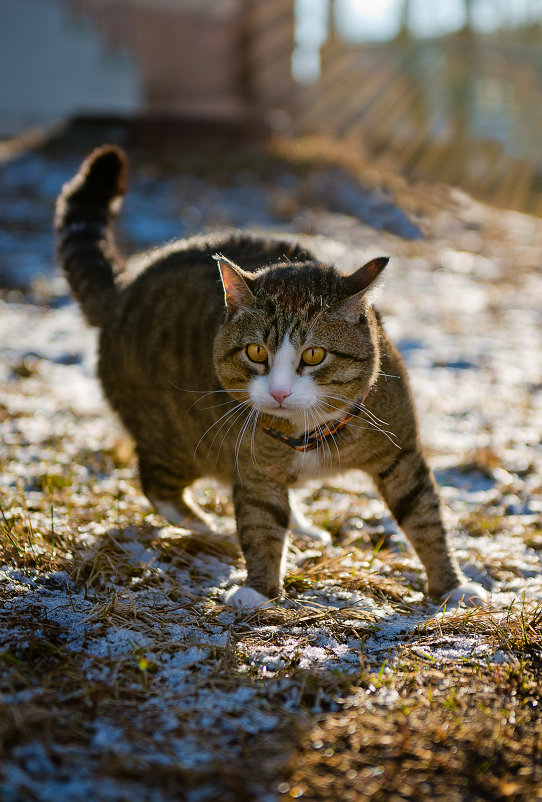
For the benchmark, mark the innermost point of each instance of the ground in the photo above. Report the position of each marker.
(124, 676)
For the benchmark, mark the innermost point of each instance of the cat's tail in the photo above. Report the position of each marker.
(85, 211)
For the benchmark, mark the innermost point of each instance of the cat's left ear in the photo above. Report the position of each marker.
(237, 293)
(357, 285)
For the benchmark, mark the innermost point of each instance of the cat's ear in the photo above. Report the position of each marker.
(357, 285)
(237, 293)
(361, 280)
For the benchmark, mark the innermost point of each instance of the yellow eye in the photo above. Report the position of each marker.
(256, 353)
(313, 356)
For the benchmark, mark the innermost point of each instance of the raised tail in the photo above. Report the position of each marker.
(85, 211)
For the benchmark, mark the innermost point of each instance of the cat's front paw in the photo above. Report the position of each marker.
(245, 598)
(469, 594)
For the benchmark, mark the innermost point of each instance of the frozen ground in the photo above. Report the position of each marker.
(134, 606)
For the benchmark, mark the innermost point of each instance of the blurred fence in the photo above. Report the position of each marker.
(466, 110)
(463, 109)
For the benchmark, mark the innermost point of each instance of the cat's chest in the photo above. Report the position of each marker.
(288, 465)
(316, 464)
(292, 467)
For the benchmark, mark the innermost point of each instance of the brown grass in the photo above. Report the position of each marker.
(412, 727)
(401, 721)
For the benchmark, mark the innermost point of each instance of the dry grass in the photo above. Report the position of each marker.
(415, 726)
(463, 733)
(122, 671)
(415, 721)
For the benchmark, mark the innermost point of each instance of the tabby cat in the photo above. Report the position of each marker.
(244, 358)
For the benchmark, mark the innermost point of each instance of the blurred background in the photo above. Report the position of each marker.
(448, 92)
(451, 89)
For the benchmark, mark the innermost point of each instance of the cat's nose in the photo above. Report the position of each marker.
(280, 394)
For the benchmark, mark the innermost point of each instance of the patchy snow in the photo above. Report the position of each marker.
(155, 211)
(469, 327)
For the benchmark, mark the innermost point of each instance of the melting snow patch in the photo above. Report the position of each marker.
(118, 641)
(220, 678)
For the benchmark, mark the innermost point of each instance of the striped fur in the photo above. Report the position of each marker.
(173, 363)
(84, 213)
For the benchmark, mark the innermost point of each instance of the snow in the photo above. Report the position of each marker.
(470, 331)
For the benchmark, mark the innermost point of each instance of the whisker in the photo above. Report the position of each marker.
(207, 392)
(317, 449)
(387, 375)
(242, 434)
(250, 427)
(371, 419)
(357, 405)
(318, 408)
(225, 415)
(252, 444)
(305, 429)
(235, 414)
(212, 406)
(361, 406)
(234, 421)
(320, 440)
(372, 425)
(313, 322)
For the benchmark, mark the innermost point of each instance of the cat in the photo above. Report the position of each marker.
(242, 357)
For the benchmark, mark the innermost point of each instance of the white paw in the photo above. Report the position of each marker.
(470, 594)
(245, 598)
(302, 526)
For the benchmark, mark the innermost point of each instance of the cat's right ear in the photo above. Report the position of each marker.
(237, 293)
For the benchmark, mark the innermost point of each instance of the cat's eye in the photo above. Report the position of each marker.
(256, 353)
(313, 356)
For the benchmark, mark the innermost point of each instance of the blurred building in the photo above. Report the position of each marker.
(216, 58)
(454, 94)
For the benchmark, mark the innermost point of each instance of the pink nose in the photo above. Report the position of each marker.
(279, 395)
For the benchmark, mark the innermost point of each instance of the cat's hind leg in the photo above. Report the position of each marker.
(301, 526)
(180, 513)
(169, 494)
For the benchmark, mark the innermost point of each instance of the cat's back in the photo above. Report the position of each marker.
(185, 272)
(171, 307)
(168, 314)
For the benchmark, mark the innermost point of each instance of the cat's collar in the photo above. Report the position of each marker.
(309, 441)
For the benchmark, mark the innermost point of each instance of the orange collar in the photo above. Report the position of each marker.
(309, 441)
